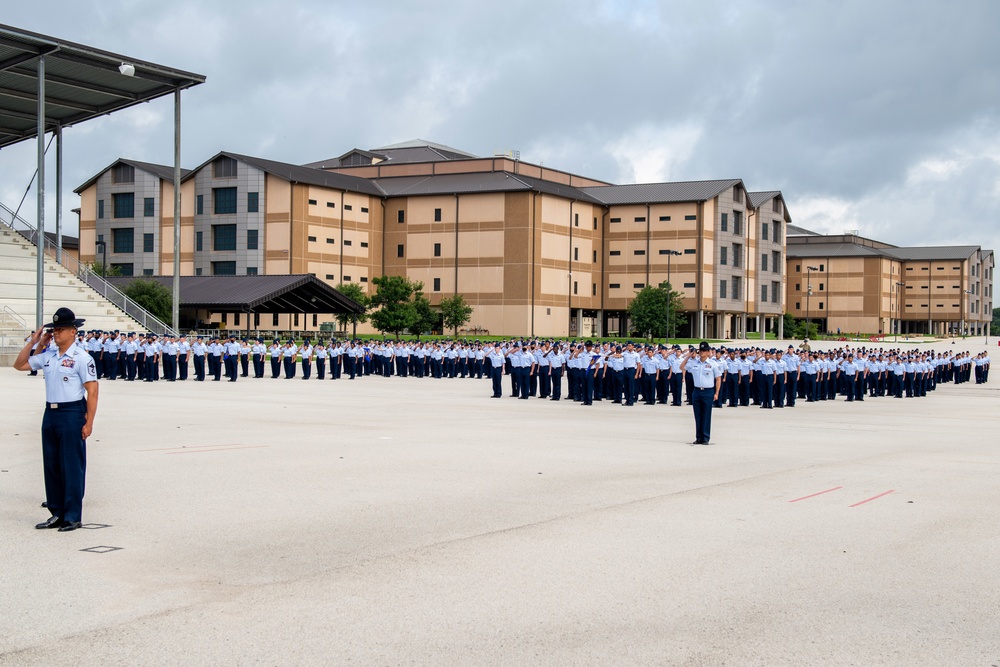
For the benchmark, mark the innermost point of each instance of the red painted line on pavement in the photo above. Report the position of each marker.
(221, 449)
(815, 494)
(872, 498)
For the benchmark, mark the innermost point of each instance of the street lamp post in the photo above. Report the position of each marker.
(809, 291)
(899, 305)
(961, 330)
(104, 257)
(666, 335)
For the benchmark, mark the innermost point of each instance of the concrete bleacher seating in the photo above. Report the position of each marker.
(17, 291)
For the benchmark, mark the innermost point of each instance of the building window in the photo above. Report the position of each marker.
(664, 218)
(724, 225)
(638, 285)
(348, 242)
(689, 251)
(737, 257)
(615, 253)
(364, 279)
(593, 289)
(253, 202)
(225, 200)
(224, 167)
(251, 270)
(763, 262)
(798, 287)
(776, 262)
(147, 243)
(223, 268)
(638, 252)
(200, 206)
(723, 255)
(798, 268)
(100, 209)
(312, 239)
(614, 286)
(821, 305)
(737, 194)
(765, 232)
(348, 207)
(330, 276)
(400, 216)
(798, 305)
(821, 268)
(148, 207)
(315, 318)
(688, 285)
(295, 320)
(595, 257)
(437, 284)
(437, 249)
(124, 204)
(763, 293)
(197, 271)
(722, 289)
(576, 254)
(251, 239)
(640, 218)
(737, 287)
(122, 240)
(274, 319)
(364, 209)
(775, 288)
(616, 219)
(124, 269)
(313, 202)
(330, 241)
(576, 219)
(777, 231)
(100, 239)
(364, 244)
(399, 250)
(690, 217)
(256, 320)
(574, 287)
(738, 223)
(224, 238)
(330, 204)
(198, 241)
(147, 272)
(437, 215)
(595, 222)
(821, 287)
(123, 173)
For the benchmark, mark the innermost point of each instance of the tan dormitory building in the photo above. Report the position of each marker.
(535, 250)
(860, 285)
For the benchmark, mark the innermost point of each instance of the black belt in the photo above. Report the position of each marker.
(62, 406)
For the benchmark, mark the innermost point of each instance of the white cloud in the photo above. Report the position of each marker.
(651, 153)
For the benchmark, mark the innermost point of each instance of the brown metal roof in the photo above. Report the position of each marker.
(256, 294)
(159, 170)
(81, 83)
(661, 193)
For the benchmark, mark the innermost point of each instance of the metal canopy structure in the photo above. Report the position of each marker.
(81, 83)
(47, 83)
(256, 294)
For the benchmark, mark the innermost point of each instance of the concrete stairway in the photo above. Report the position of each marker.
(17, 292)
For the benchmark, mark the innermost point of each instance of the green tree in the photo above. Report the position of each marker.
(427, 318)
(392, 307)
(151, 295)
(353, 292)
(995, 324)
(648, 311)
(99, 269)
(796, 328)
(455, 312)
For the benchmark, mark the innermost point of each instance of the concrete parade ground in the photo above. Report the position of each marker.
(403, 521)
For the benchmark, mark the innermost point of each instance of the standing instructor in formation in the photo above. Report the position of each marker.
(70, 408)
(707, 376)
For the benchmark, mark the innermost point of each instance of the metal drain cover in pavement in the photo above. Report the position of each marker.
(101, 550)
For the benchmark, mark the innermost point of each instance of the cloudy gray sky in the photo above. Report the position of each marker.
(877, 115)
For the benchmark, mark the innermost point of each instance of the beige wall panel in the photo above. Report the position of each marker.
(483, 245)
(421, 246)
(554, 281)
(516, 320)
(278, 196)
(555, 246)
(427, 276)
(421, 209)
(555, 210)
(481, 208)
(277, 235)
(88, 203)
(479, 279)
(551, 321)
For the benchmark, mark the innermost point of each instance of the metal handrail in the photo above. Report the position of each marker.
(9, 312)
(84, 273)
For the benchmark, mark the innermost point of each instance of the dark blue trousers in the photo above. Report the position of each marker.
(64, 459)
(701, 402)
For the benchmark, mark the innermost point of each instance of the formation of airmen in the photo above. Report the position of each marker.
(622, 373)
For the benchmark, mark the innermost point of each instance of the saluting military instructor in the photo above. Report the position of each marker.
(707, 376)
(70, 407)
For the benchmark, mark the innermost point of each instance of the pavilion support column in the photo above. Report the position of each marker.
(176, 300)
(59, 208)
(40, 231)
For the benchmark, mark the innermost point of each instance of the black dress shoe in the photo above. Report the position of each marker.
(73, 525)
(705, 442)
(52, 522)
(697, 442)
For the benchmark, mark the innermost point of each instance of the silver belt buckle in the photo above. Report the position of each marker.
(54, 406)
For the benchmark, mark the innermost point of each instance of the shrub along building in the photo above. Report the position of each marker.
(862, 285)
(534, 250)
